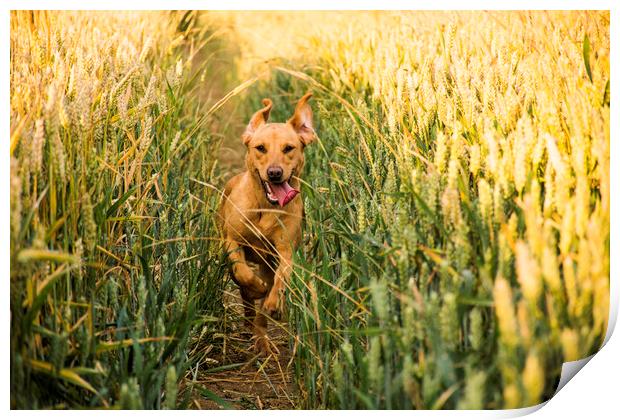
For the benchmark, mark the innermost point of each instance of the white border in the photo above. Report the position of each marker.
(593, 394)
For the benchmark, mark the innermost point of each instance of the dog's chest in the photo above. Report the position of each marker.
(268, 223)
(258, 227)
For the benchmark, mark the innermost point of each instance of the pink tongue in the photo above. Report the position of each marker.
(283, 192)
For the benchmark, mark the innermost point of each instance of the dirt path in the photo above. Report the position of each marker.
(248, 381)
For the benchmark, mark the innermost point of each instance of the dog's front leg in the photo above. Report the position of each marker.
(274, 302)
(242, 273)
(262, 342)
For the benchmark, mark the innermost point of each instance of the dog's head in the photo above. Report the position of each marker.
(276, 150)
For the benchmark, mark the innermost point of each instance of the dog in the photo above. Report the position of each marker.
(261, 214)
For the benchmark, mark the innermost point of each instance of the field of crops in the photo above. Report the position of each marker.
(456, 240)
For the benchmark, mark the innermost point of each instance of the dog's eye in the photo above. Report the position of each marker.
(288, 148)
(261, 148)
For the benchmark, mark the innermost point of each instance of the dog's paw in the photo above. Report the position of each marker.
(257, 289)
(247, 279)
(264, 346)
(243, 274)
(260, 286)
(273, 305)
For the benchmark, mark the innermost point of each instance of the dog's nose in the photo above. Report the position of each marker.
(274, 173)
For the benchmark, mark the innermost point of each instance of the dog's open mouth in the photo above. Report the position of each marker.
(281, 193)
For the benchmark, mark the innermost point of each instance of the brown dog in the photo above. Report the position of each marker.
(261, 212)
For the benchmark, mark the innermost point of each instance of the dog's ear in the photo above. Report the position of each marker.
(302, 120)
(259, 118)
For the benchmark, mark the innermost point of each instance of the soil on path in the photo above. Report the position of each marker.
(240, 379)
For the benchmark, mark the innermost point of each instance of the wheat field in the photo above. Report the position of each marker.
(456, 237)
